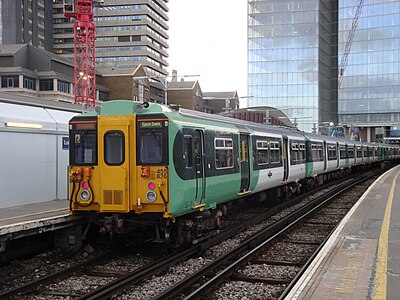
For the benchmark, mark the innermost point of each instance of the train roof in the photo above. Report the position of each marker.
(125, 107)
(121, 107)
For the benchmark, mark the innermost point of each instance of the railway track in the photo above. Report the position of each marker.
(270, 267)
(178, 273)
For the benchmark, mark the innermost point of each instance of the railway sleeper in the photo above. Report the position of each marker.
(267, 280)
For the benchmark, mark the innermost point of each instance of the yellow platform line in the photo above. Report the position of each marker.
(34, 214)
(383, 247)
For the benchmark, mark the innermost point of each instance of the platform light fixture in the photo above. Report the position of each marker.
(24, 125)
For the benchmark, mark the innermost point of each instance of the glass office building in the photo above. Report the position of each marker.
(291, 59)
(328, 61)
(369, 95)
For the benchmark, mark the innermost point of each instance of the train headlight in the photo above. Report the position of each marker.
(151, 196)
(85, 195)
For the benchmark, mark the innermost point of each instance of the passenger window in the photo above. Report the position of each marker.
(275, 153)
(262, 152)
(295, 152)
(223, 153)
(188, 151)
(332, 152)
(359, 151)
(342, 151)
(314, 152)
(320, 152)
(302, 152)
(114, 148)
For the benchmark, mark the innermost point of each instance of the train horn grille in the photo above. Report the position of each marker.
(112, 197)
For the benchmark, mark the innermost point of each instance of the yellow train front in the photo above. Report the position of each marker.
(119, 166)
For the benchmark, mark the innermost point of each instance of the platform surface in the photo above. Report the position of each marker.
(362, 258)
(32, 212)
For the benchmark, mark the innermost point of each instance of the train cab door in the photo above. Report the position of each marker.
(244, 163)
(199, 155)
(114, 160)
(285, 153)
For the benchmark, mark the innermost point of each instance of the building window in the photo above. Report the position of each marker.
(46, 85)
(10, 81)
(29, 83)
(63, 86)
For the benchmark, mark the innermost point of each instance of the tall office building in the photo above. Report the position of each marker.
(128, 33)
(297, 48)
(291, 58)
(26, 22)
(369, 95)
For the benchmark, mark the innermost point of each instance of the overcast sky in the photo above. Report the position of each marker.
(209, 38)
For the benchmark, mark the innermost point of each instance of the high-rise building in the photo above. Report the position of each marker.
(369, 94)
(128, 33)
(298, 51)
(291, 58)
(26, 22)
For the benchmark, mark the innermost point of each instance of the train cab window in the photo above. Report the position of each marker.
(223, 153)
(275, 153)
(188, 151)
(332, 153)
(262, 153)
(152, 142)
(83, 143)
(114, 149)
(150, 145)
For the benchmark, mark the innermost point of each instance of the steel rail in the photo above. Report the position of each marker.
(255, 243)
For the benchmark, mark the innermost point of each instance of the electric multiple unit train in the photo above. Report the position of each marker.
(136, 164)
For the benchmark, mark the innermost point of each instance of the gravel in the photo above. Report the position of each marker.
(155, 285)
(269, 271)
(241, 290)
(292, 252)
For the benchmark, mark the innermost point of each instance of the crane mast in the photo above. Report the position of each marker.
(84, 50)
(349, 41)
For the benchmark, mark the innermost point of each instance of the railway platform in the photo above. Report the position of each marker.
(361, 260)
(25, 220)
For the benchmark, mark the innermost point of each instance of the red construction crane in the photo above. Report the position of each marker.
(84, 50)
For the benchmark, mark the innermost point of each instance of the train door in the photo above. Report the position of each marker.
(324, 155)
(338, 155)
(285, 155)
(114, 163)
(199, 155)
(244, 163)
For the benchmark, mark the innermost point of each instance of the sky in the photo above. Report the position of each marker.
(209, 38)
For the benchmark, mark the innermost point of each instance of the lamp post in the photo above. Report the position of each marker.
(164, 81)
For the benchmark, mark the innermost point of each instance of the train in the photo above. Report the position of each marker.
(135, 165)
